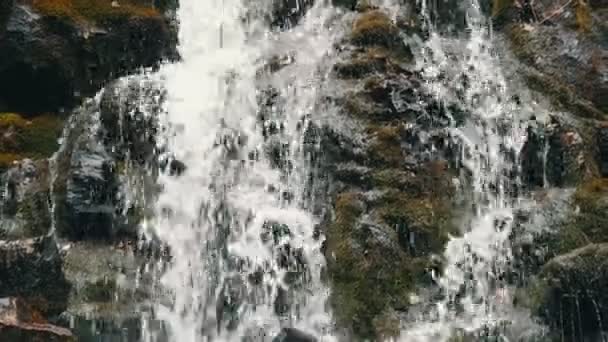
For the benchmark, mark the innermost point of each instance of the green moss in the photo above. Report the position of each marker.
(386, 147)
(361, 271)
(94, 10)
(28, 138)
(589, 221)
(375, 28)
(591, 198)
(559, 93)
(372, 60)
(433, 179)
(426, 220)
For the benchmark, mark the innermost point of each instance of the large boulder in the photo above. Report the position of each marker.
(32, 269)
(102, 182)
(571, 293)
(57, 53)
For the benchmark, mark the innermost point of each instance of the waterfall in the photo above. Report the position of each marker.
(465, 69)
(237, 222)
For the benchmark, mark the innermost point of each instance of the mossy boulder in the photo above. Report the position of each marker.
(375, 28)
(33, 269)
(572, 78)
(591, 210)
(571, 293)
(58, 52)
(373, 60)
(365, 260)
(25, 203)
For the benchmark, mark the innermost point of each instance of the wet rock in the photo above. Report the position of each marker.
(603, 149)
(25, 201)
(91, 190)
(274, 231)
(293, 335)
(32, 269)
(566, 161)
(573, 285)
(27, 137)
(57, 54)
(107, 280)
(533, 155)
(229, 302)
(365, 63)
(572, 78)
(364, 258)
(129, 112)
(21, 323)
(287, 13)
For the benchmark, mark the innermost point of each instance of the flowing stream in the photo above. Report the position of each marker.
(238, 221)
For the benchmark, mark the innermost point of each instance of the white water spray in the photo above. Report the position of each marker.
(478, 299)
(213, 215)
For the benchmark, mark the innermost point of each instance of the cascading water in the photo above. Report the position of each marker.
(477, 294)
(235, 221)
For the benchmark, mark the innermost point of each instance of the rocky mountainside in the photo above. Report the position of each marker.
(80, 158)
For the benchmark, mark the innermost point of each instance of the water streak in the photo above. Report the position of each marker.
(224, 278)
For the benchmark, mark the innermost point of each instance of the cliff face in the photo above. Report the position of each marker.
(390, 189)
(58, 52)
(54, 55)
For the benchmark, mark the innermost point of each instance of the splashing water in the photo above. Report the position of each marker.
(227, 279)
(477, 295)
(238, 219)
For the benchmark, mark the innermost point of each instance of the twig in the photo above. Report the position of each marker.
(556, 12)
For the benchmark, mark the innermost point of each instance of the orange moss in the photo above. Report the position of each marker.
(583, 15)
(94, 10)
(7, 159)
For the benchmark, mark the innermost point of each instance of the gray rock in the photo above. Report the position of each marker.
(572, 296)
(566, 162)
(57, 61)
(91, 191)
(32, 269)
(533, 155)
(603, 149)
(294, 335)
(129, 111)
(287, 13)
